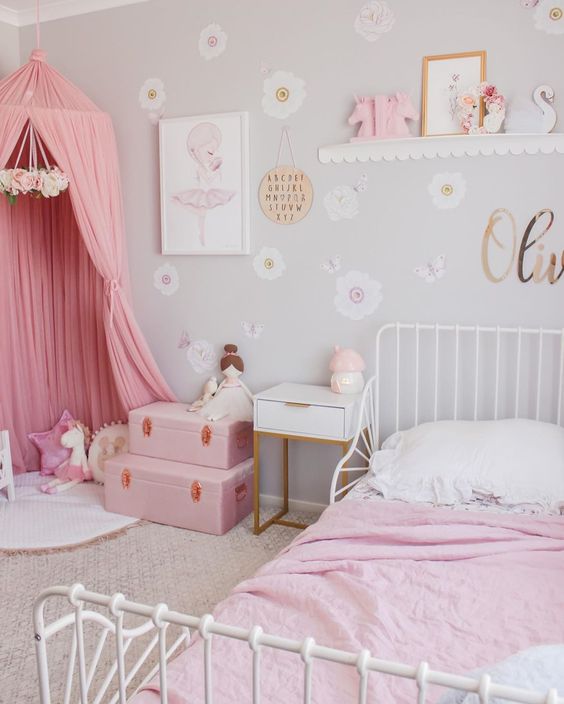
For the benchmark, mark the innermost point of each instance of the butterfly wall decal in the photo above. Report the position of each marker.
(252, 330)
(332, 265)
(361, 184)
(432, 271)
(184, 341)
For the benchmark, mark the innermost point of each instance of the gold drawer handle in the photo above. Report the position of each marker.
(298, 405)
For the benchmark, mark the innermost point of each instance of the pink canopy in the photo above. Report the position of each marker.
(68, 335)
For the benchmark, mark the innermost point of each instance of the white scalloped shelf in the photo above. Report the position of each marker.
(432, 147)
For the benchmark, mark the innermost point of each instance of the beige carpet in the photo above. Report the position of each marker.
(189, 571)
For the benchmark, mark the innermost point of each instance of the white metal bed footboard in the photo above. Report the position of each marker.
(111, 618)
(426, 372)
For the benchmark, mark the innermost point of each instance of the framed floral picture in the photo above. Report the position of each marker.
(444, 78)
(205, 184)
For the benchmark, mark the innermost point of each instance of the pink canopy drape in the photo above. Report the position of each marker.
(68, 335)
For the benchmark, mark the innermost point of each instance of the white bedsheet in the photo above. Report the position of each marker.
(365, 491)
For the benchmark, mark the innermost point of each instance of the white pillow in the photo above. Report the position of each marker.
(537, 669)
(448, 462)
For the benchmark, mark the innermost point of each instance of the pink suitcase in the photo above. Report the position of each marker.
(178, 494)
(167, 430)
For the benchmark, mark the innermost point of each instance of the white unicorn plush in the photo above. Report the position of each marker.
(75, 469)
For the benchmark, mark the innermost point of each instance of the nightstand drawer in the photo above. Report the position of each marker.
(300, 419)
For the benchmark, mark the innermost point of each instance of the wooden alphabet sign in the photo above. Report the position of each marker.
(530, 260)
(285, 192)
(285, 195)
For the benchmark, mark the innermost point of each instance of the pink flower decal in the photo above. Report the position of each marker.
(166, 279)
(357, 295)
(213, 42)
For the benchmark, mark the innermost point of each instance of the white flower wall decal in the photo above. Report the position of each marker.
(549, 16)
(357, 295)
(284, 94)
(201, 353)
(269, 263)
(447, 190)
(213, 42)
(342, 203)
(152, 98)
(374, 19)
(201, 356)
(166, 279)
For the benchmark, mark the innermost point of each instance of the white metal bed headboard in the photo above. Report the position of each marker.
(428, 372)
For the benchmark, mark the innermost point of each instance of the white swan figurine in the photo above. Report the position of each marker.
(533, 118)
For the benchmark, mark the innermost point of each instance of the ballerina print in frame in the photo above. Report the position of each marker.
(205, 184)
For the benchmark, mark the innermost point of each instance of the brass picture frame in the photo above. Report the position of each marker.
(444, 75)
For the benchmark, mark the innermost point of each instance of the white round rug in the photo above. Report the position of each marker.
(36, 521)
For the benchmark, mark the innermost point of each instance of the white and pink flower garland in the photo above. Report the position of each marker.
(468, 104)
(43, 182)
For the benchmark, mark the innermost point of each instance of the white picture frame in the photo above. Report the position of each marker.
(204, 184)
(444, 76)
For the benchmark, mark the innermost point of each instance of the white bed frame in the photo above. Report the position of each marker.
(439, 386)
(429, 372)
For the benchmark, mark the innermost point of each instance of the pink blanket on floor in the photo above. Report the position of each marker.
(459, 589)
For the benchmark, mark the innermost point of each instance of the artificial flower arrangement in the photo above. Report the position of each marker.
(468, 102)
(38, 182)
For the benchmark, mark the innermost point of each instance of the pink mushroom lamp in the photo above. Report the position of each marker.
(347, 367)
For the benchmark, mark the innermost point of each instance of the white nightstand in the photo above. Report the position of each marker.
(300, 412)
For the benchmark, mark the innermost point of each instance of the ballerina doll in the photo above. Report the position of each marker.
(202, 143)
(75, 469)
(232, 398)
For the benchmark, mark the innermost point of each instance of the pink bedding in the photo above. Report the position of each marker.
(459, 589)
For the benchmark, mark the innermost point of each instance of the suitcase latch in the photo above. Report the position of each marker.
(196, 492)
(147, 427)
(125, 479)
(206, 436)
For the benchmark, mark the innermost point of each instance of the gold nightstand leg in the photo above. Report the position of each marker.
(345, 479)
(256, 499)
(285, 474)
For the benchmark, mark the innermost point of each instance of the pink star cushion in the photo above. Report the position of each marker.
(49, 445)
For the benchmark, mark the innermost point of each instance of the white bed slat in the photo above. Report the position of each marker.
(539, 374)
(560, 380)
(398, 367)
(497, 358)
(417, 327)
(477, 373)
(81, 655)
(436, 398)
(456, 367)
(518, 376)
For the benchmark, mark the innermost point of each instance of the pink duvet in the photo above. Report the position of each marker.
(459, 589)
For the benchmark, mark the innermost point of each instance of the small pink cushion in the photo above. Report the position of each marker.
(49, 445)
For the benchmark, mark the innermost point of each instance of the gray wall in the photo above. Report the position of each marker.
(109, 54)
(9, 48)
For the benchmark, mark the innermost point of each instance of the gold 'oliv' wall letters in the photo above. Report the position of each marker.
(538, 269)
